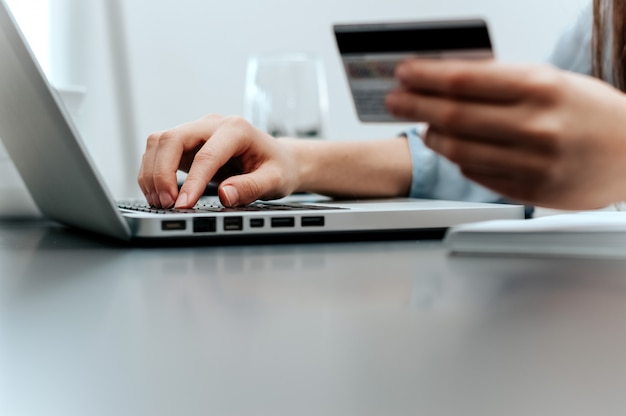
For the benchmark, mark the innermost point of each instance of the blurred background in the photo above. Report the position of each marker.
(146, 65)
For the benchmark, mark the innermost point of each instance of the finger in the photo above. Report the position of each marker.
(263, 183)
(228, 141)
(483, 121)
(522, 190)
(480, 79)
(169, 153)
(144, 178)
(488, 159)
(512, 184)
(504, 185)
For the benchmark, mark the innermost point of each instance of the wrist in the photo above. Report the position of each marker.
(305, 156)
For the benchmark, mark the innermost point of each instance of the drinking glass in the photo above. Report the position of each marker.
(285, 94)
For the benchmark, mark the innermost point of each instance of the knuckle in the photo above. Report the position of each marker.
(167, 136)
(237, 123)
(161, 178)
(213, 116)
(141, 177)
(451, 114)
(457, 81)
(158, 175)
(545, 83)
(141, 181)
(548, 130)
(153, 139)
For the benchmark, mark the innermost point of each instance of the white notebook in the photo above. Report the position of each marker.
(583, 234)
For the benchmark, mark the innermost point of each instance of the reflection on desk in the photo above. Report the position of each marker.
(391, 328)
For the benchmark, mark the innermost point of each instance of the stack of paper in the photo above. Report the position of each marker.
(588, 234)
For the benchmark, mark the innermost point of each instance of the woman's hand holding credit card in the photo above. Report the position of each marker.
(370, 53)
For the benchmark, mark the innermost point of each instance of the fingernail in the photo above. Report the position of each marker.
(154, 199)
(230, 195)
(182, 200)
(166, 199)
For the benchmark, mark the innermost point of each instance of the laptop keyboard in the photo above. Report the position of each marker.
(205, 206)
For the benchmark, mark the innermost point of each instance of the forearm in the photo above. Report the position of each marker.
(380, 168)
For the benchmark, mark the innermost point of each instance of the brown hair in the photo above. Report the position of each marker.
(602, 11)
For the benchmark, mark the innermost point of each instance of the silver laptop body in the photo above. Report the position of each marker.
(47, 151)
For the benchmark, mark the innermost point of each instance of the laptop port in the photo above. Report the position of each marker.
(281, 222)
(312, 221)
(233, 223)
(173, 225)
(257, 222)
(204, 225)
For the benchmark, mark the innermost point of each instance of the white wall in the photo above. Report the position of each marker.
(83, 54)
(187, 57)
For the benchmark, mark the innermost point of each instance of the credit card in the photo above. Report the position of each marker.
(371, 51)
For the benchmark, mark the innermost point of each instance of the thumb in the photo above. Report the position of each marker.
(244, 189)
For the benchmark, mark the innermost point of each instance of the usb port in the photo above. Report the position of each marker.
(173, 225)
(257, 222)
(233, 223)
(204, 225)
(312, 221)
(280, 222)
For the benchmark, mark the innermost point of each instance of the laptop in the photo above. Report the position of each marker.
(47, 151)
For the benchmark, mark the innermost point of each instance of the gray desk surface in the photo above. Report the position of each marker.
(376, 328)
